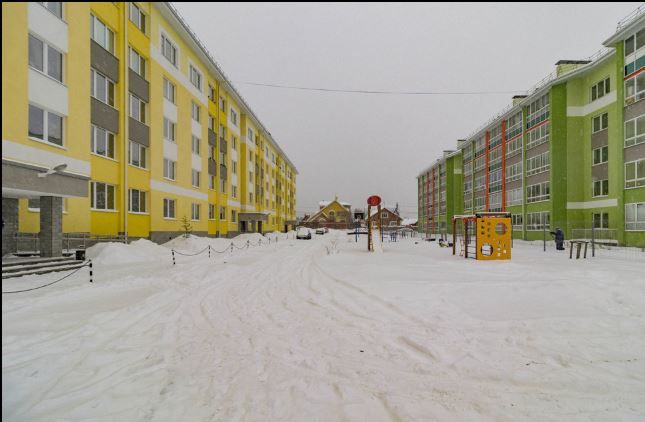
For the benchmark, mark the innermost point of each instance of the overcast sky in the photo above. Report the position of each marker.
(354, 145)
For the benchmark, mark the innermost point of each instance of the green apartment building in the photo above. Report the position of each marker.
(570, 153)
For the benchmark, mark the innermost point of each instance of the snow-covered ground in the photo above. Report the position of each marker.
(322, 330)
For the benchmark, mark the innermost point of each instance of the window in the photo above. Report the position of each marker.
(168, 90)
(538, 221)
(195, 111)
(249, 135)
(599, 123)
(222, 104)
(211, 123)
(635, 131)
(537, 136)
(194, 212)
(168, 208)
(56, 7)
(211, 211)
(600, 220)
(45, 58)
(196, 175)
(169, 50)
(102, 196)
(211, 152)
(600, 187)
(537, 192)
(195, 77)
(137, 155)
(45, 125)
(635, 216)
(635, 174)
(169, 169)
(211, 93)
(234, 167)
(234, 142)
(514, 172)
(600, 89)
(514, 147)
(169, 130)
(600, 155)
(137, 63)
(233, 117)
(137, 17)
(137, 201)
(233, 216)
(635, 88)
(222, 213)
(195, 145)
(101, 88)
(514, 197)
(102, 142)
(516, 221)
(234, 191)
(211, 181)
(251, 197)
(222, 185)
(538, 111)
(101, 34)
(137, 108)
(537, 164)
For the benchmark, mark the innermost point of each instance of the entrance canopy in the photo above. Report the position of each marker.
(253, 216)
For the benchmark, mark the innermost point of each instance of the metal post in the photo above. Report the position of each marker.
(231, 248)
(91, 272)
(173, 256)
(544, 235)
(593, 240)
(209, 251)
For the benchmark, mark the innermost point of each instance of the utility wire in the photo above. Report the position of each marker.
(365, 91)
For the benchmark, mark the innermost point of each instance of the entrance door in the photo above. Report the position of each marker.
(259, 227)
(243, 226)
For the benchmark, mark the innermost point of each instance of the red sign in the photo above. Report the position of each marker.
(374, 200)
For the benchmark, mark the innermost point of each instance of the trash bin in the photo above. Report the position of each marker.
(80, 254)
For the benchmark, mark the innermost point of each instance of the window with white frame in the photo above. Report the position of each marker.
(233, 117)
(195, 178)
(600, 155)
(222, 213)
(211, 92)
(55, 7)
(222, 103)
(137, 63)
(211, 211)
(249, 134)
(635, 216)
(600, 220)
(480, 162)
(211, 182)
(600, 89)
(538, 221)
(137, 17)
(633, 52)
(169, 130)
(516, 221)
(222, 185)
(195, 77)
(480, 183)
(45, 58)
(635, 174)
(234, 167)
(514, 172)
(234, 191)
(138, 108)
(538, 136)
(169, 50)
(600, 188)
(138, 201)
(599, 123)
(211, 123)
(537, 164)
(102, 196)
(137, 155)
(635, 88)
(169, 90)
(468, 203)
(538, 111)
(169, 208)
(233, 216)
(195, 145)
(102, 142)
(169, 169)
(234, 143)
(195, 111)
(635, 131)
(514, 197)
(194, 211)
(514, 147)
(101, 88)
(251, 197)
(45, 125)
(538, 192)
(101, 34)
(480, 203)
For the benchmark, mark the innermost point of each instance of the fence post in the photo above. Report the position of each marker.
(593, 240)
(209, 251)
(91, 272)
(231, 247)
(173, 256)
(544, 236)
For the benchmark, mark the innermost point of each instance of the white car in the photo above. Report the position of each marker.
(303, 233)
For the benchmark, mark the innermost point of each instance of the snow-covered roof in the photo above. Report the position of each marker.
(409, 221)
(325, 203)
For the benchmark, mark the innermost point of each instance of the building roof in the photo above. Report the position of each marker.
(325, 203)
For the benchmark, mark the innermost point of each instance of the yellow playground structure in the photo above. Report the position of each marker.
(485, 236)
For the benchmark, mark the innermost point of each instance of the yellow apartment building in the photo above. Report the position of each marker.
(117, 121)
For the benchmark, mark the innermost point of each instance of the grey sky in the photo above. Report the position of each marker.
(355, 145)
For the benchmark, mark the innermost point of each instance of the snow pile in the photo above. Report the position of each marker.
(112, 253)
(254, 238)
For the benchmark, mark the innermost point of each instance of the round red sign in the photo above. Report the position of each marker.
(374, 200)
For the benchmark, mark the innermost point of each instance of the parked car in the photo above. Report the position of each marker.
(303, 233)
(326, 229)
(320, 231)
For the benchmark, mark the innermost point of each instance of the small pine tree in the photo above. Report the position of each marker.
(186, 226)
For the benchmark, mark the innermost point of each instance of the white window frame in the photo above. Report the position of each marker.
(538, 164)
(635, 224)
(538, 192)
(195, 145)
(138, 63)
(603, 188)
(47, 49)
(142, 151)
(169, 130)
(639, 180)
(106, 188)
(196, 178)
(96, 27)
(233, 116)
(108, 139)
(222, 213)
(195, 211)
(602, 120)
(169, 169)
(637, 138)
(195, 76)
(110, 88)
(169, 50)
(638, 82)
(195, 111)
(141, 199)
(46, 4)
(141, 108)
(169, 90)
(602, 218)
(600, 89)
(45, 114)
(138, 17)
(168, 206)
(543, 221)
(599, 151)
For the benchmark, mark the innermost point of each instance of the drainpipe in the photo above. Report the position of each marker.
(126, 114)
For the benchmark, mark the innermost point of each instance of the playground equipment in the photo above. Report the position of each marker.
(484, 236)
(578, 244)
(373, 201)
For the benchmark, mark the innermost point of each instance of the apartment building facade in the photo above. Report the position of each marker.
(118, 121)
(569, 154)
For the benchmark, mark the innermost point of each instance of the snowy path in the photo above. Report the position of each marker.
(287, 332)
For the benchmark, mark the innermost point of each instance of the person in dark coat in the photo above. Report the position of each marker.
(559, 238)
